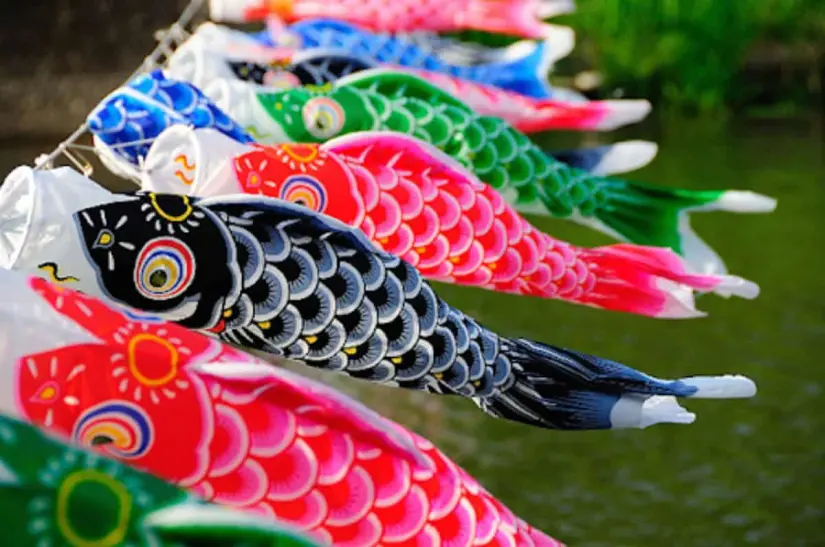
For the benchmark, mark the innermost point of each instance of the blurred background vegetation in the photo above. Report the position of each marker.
(701, 56)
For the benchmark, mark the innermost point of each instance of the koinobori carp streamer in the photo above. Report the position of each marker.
(231, 429)
(521, 68)
(54, 493)
(499, 155)
(277, 277)
(415, 202)
(217, 52)
(514, 17)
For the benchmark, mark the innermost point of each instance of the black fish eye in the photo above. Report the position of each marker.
(158, 278)
(100, 440)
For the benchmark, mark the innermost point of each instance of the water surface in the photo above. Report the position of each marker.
(747, 472)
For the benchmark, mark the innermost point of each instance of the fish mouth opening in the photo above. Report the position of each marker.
(17, 202)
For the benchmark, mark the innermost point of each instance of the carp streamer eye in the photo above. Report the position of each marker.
(304, 190)
(123, 428)
(323, 117)
(165, 268)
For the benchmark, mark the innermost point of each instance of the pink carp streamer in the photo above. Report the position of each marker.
(236, 430)
(512, 17)
(417, 203)
(531, 115)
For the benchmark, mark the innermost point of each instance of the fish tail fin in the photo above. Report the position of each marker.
(561, 114)
(610, 159)
(618, 113)
(553, 8)
(652, 281)
(238, 11)
(526, 64)
(515, 17)
(558, 388)
(659, 216)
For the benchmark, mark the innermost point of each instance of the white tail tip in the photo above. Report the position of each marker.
(721, 387)
(554, 8)
(680, 303)
(623, 112)
(639, 411)
(744, 201)
(560, 42)
(626, 156)
(733, 285)
(231, 11)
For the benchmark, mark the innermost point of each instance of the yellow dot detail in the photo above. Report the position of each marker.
(118, 534)
(350, 351)
(396, 360)
(47, 394)
(438, 376)
(265, 324)
(227, 314)
(311, 339)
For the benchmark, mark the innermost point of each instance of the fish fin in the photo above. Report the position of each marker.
(559, 114)
(394, 83)
(554, 8)
(659, 216)
(528, 63)
(514, 17)
(654, 282)
(610, 159)
(563, 389)
(238, 11)
(618, 113)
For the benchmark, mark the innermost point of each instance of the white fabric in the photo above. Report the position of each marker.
(231, 11)
(37, 223)
(238, 99)
(184, 160)
(28, 325)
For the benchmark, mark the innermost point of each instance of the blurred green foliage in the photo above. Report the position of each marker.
(693, 54)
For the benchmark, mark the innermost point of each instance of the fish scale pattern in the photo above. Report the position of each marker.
(400, 50)
(518, 17)
(270, 443)
(497, 154)
(370, 315)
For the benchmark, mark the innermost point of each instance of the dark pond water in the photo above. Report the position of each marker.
(747, 472)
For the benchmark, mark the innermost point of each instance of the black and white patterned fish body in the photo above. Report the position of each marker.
(278, 277)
